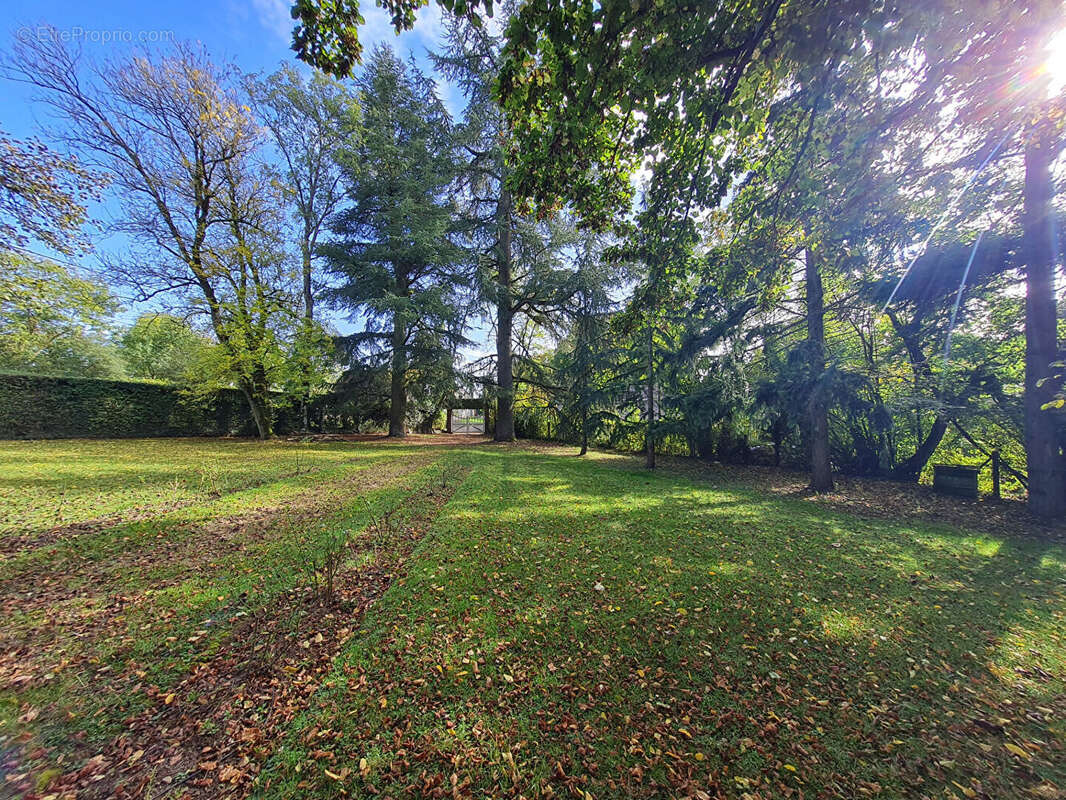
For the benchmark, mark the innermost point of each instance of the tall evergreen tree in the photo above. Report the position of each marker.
(396, 249)
(525, 273)
(589, 360)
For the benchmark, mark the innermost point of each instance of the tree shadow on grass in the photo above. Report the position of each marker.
(641, 635)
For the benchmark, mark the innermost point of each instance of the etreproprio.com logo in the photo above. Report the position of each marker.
(46, 33)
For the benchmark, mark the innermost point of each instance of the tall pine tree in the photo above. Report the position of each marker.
(525, 272)
(396, 248)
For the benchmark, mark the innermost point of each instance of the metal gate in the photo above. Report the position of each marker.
(468, 420)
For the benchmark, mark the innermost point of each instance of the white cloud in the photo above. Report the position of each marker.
(426, 35)
(274, 16)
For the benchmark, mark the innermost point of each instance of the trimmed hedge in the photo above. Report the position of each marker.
(36, 407)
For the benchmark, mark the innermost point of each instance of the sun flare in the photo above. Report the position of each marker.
(1055, 63)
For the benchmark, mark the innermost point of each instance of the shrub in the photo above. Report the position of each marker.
(36, 407)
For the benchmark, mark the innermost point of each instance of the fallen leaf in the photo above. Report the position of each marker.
(1017, 750)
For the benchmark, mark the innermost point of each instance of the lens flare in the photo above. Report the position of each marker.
(1055, 63)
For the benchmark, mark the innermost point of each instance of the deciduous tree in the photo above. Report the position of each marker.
(54, 321)
(180, 145)
(162, 347)
(43, 195)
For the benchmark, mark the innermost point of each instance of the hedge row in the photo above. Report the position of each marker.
(35, 407)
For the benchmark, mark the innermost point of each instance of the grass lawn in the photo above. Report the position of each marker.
(525, 623)
(47, 484)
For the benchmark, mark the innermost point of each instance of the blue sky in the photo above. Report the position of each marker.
(253, 35)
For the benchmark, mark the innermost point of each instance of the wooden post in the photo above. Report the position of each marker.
(448, 423)
(995, 474)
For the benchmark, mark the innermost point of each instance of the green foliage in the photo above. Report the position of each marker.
(360, 398)
(394, 245)
(327, 31)
(54, 322)
(395, 249)
(162, 347)
(768, 131)
(309, 369)
(308, 121)
(43, 196)
(33, 407)
(578, 381)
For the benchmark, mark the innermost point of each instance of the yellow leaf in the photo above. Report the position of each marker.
(168, 699)
(790, 768)
(1017, 750)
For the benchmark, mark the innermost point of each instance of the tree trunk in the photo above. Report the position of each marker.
(257, 404)
(398, 394)
(504, 323)
(649, 436)
(821, 475)
(910, 469)
(1046, 463)
(778, 432)
(309, 316)
(584, 427)
(309, 295)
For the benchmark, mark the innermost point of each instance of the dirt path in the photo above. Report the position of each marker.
(215, 745)
(208, 735)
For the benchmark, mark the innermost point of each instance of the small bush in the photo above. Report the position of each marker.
(323, 563)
